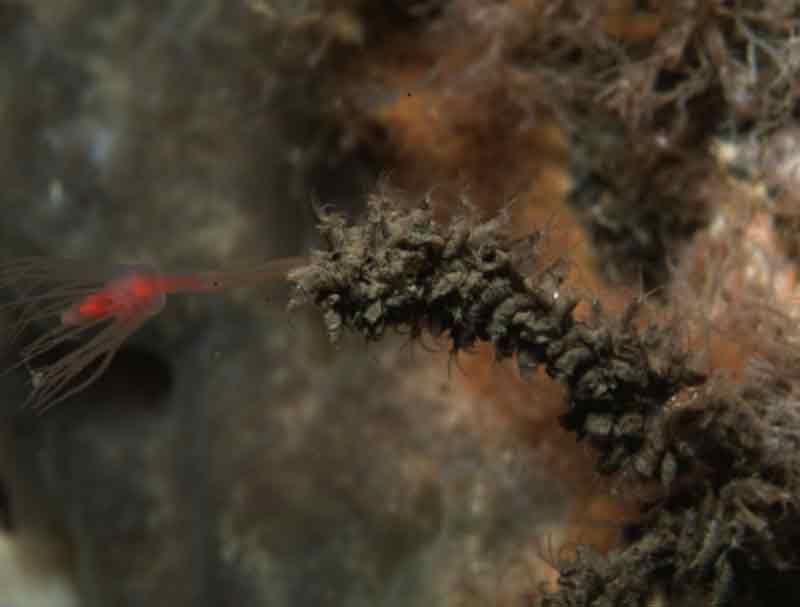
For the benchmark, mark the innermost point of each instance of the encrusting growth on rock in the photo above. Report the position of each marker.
(723, 513)
(401, 269)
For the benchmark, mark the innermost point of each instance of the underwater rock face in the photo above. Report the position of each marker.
(232, 455)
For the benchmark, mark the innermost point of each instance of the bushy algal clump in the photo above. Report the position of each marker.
(726, 515)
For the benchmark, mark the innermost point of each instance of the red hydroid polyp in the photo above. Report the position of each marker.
(92, 309)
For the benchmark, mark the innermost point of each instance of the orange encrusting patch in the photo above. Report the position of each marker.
(464, 121)
(463, 128)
